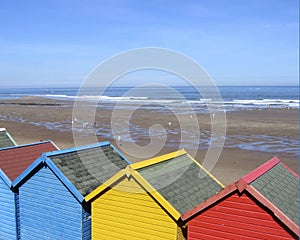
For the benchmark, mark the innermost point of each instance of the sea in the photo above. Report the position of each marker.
(227, 98)
(233, 98)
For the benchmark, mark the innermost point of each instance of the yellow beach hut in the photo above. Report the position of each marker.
(146, 200)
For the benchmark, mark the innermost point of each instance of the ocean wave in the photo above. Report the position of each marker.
(93, 97)
(267, 101)
(229, 104)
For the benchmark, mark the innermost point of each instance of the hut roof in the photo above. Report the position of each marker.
(14, 160)
(81, 169)
(181, 180)
(280, 185)
(175, 180)
(273, 185)
(5, 139)
(88, 168)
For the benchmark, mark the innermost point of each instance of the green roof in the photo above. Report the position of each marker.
(181, 182)
(281, 188)
(6, 140)
(89, 168)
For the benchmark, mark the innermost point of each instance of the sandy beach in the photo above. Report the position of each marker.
(32, 119)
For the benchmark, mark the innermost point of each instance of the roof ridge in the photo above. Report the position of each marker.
(289, 169)
(29, 144)
(206, 171)
(10, 139)
(275, 210)
(213, 199)
(80, 148)
(158, 159)
(256, 173)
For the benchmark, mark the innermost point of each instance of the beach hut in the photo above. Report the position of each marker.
(5, 139)
(262, 205)
(146, 200)
(13, 161)
(52, 190)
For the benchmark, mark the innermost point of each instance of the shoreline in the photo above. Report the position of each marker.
(30, 114)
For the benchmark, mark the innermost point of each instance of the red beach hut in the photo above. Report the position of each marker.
(262, 205)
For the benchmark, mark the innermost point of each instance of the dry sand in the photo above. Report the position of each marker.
(25, 119)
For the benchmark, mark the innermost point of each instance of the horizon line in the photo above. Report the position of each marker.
(129, 86)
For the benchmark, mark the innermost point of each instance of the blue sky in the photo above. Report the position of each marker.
(58, 42)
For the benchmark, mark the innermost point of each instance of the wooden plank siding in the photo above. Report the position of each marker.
(7, 212)
(181, 233)
(236, 217)
(48, 210)
(126, 211)
(86, 222)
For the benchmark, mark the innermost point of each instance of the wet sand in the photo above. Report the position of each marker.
(30, 119)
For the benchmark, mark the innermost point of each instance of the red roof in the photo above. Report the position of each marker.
(14, 160)
(250, 177)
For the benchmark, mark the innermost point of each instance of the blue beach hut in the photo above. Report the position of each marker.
(7, 209)
(52, 190)
(13, 161)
